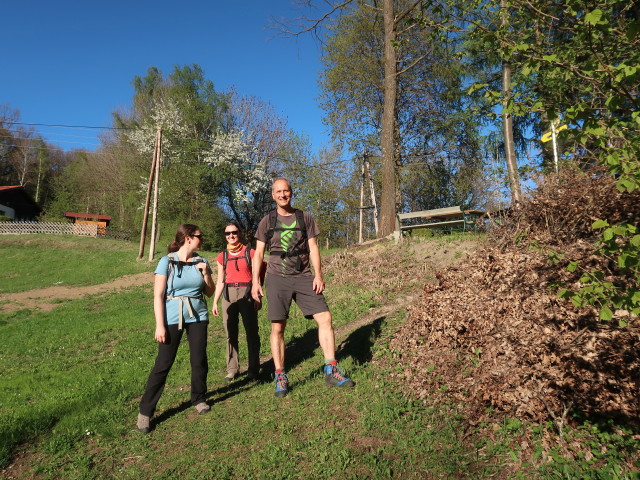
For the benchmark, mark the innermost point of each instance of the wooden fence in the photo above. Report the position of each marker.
(63, 228)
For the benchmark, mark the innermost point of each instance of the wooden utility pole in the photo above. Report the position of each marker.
(366, 172)
(156, 188)
(367, 167)
(145, 215)
(361, 204)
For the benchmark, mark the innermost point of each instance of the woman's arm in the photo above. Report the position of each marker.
(159, 286)
(208, 281)
(219, 288)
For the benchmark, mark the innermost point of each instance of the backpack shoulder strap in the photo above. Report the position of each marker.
(300, 223)
(225, 259)
(173, 260)
(247, 257)
(273, 219)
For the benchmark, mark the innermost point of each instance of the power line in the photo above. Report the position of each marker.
(65, 126)
(57, 134)
(48, 146)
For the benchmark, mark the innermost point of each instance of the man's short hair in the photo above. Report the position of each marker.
(280, 179)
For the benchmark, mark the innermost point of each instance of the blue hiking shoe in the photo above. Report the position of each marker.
(334, 377)
(282, 384)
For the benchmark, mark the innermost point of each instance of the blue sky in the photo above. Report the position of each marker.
(72, 62)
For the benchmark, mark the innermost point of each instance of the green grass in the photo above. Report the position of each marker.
(39, 261)
(76, 373)
(71, 380)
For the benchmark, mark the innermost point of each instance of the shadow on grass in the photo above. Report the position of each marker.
(359, 344)
(212, 397)
(297, 350)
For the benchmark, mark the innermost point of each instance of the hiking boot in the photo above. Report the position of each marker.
(282, 384)
(252, 374)
(334, 377)
(202, 408)
(144, 423)
(230, 377)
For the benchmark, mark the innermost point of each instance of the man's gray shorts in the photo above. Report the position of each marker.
(281, 290)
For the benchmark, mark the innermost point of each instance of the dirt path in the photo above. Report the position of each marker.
(46, 299)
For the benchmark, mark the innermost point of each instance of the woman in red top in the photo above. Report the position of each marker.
(234, 285)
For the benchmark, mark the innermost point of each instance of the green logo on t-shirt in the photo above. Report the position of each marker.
(287, 238)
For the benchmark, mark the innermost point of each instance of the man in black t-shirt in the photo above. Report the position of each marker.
(291, 237)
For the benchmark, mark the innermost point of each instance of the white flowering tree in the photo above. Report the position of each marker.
(189, 111)
(246, 176)
(167, 115)
(219, 151)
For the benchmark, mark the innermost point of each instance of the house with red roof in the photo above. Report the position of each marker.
(17, 204)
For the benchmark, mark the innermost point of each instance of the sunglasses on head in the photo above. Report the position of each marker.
(233, 232)
(200, 236)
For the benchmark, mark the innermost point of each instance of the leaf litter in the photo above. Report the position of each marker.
(492, 335)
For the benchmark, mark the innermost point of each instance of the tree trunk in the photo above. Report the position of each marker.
(37, 199)
(507, 123)
(23, 175)
(388, 196)
(509, 146)
(397, 161)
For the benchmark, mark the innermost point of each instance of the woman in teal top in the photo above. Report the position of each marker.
(181, 280)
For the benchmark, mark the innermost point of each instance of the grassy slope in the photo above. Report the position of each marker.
(69, 392)
(38, 261)
(71, 379)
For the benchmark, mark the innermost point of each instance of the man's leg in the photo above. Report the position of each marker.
(279, 296)
(326, 335)
(333, 375)
(277, 343)
(277, 351)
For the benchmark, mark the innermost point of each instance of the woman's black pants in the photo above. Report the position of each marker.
(197, 337)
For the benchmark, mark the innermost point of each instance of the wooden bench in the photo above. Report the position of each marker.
(442, 218)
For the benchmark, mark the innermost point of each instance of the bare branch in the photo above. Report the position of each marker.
(402, 15)
(412, 64)
(313, 23)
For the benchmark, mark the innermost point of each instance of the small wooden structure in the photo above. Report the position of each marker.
(101, 221)
(449, 218)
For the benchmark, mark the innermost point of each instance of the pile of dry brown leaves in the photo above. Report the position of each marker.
(493, 334)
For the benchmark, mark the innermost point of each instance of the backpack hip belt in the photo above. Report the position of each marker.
(238, 284)
(182, 299)
(247, 285)
(290, 253)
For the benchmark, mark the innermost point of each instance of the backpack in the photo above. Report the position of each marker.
(294, 250)
(225, 259)
(174, 263)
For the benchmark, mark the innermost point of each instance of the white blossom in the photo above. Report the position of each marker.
(167, 115)
(239, 157)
